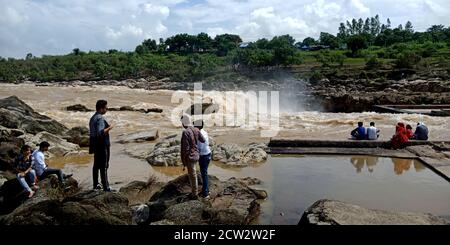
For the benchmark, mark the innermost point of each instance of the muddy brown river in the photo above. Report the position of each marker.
(293, 183)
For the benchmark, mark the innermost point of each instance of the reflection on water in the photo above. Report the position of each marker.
(376, 184)
(360, 161)
(295, 182)
(400, 164)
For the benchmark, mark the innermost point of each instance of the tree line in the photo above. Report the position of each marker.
(185, 57)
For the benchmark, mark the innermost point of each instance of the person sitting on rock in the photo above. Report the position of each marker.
(421, 132)
(409, 132)
(205, 158)
(372, 132)
(189, 152)
(400, 138)
(25, 173)
(359, 133)
(41, 168)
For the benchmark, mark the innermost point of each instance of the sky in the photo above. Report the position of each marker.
(58, 26)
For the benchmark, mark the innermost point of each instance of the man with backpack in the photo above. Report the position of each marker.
(189, 152)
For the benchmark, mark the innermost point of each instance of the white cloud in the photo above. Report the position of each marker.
(360, 6)
(57, 26)
(153, 9)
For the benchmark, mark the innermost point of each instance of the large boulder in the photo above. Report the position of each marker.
(331, 212)
(85, 208)
(141, 212)
(231, 202)
(12, 194)
(58, 146)
(14, 113)
(235, 155)
(203, 108)
(166, 152)
(142, 136)
(78, 135)
(139, 192)
(3, 178)
(9, 147)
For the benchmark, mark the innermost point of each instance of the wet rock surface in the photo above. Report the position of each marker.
(231, 202)
(14, 113)
(142, 136)
(235, 155)
(331, 212)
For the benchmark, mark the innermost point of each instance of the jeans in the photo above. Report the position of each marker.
(30, 176)
(204, 163)
(101, 163)
(49, 171)
(193, 177)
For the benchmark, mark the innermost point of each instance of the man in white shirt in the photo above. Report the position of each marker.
(41, 168)
(205, 158)
(372, 132)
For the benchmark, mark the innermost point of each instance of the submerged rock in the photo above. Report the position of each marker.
(14, 113)
(330, 212)
(78, 107)
(148, 135)
(231, 202)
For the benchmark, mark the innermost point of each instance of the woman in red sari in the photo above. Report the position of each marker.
(409, 132)
(400, 138)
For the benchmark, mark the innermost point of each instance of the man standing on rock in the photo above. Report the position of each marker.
(99, 145)
(189, 151)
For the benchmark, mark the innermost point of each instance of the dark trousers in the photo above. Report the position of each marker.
(204, 163)
(101, 164)
(49, 171)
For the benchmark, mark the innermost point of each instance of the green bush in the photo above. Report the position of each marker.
(407, 59)
(372, 62)
(316, 76)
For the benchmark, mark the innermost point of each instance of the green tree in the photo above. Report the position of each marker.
(29, 56)
(225, 43)
(203, 42)
(309, 41)
(329, 40)
(356, 43)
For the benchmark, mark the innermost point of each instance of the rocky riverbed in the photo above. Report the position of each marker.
(152, 141)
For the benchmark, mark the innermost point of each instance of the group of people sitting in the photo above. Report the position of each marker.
(402, 133)
(361, 133)
(31, 168)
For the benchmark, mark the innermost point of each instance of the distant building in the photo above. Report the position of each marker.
(313, 47)
(244, 45)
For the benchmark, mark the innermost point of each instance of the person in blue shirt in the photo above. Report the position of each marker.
(359, 133)
(421, 132)
(99, 145)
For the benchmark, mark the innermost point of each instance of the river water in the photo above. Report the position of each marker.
(51, 101)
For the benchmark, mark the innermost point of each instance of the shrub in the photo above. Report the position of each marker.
(407, 59)
(372, 62)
